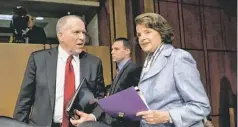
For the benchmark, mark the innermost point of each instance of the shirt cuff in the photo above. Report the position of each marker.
(95, 119)
(170, 119)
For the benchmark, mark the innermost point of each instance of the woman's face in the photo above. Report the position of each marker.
(149, 39)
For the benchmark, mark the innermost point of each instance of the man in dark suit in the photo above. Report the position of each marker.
(35, 34)
(52, 76)
(31, 34)
(128, 75)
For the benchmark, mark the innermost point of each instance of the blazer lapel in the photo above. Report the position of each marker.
(121, 71)
(155, 68)
(159, 63)
(114, 84)
(51, 66)
(84, 68)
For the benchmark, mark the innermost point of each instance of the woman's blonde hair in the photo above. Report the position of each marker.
(158, 23)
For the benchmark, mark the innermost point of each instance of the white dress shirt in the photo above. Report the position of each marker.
(60, 78)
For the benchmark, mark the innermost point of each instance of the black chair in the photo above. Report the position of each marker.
(10, 122)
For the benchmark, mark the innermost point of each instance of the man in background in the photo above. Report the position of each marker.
(25, 31)
(128, 74)
(35, 34)
(53, 75)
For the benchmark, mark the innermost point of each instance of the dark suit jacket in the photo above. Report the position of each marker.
(36, 35)
(36, 100)
(128, 76)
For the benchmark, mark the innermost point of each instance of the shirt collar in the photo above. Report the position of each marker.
(122, 63)
(64, 55)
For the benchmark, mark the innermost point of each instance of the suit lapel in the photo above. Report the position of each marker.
(115, 85)
(84, 68)
(121, 71)
(51, 66)
(159, 63)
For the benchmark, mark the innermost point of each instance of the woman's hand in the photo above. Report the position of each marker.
(154, 116)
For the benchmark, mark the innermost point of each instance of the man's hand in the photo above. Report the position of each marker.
(154, 116)
(83, 117)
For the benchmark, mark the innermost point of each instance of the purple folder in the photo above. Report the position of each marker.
(125, 104)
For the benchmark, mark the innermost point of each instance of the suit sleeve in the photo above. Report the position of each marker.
(98, 112)
(132, 78)
(26, 94)
(190, 87)
(135, 75)
(100, 87)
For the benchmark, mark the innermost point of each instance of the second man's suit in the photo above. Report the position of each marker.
(128, 76)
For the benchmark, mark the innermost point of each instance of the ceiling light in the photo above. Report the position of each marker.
(39, 18)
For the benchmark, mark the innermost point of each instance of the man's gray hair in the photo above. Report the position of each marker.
(63, 20)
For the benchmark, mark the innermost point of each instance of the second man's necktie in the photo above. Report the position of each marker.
(69, 88)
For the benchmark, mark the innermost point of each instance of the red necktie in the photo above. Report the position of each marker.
(69, 88)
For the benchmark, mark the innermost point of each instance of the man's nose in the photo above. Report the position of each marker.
(81, 36)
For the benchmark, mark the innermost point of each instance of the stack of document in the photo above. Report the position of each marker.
(124, 104)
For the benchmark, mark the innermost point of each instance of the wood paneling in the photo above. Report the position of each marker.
(215, 121)
(120, 18)
(170, 12)
(171, 0)
(195, 2)
(91, 0)
(216, 72)
(138, 7)
(229, 26)
(103, 52)
(222, 66)
(117, 22)
(112, 30)
(192, 27)
(213, 30)
(111, 16)
(149, 6)
(13, 63)
(131, 27)
(212, 3)
(104, 25)
(130, 20)
(230, 59)
(181, 24)
(199, 58)
(232, 117)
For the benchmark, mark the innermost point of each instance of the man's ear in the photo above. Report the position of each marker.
(60, 36)
(128, 51)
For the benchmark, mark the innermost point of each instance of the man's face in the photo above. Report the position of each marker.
(72, 36)
(149, 39)
(31, 21)
(119, 52)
